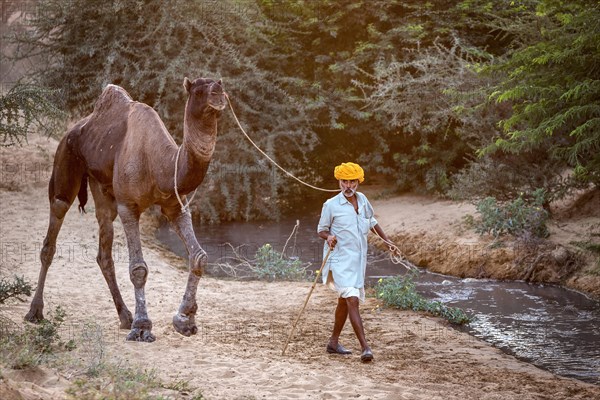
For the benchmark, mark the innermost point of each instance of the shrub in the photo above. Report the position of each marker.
(115, 381)
(22, 349)
(272, 265)
(13, 289)
(514, 217)
(400, 292)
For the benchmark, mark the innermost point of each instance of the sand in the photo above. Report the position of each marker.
(242, 325)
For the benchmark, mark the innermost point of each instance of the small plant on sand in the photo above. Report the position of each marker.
(273, 265)
(112, 381)
(267, 264)
(14, 289)
(29, 347)
(400, 292)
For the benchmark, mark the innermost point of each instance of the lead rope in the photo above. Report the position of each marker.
(269, 158)
(184, 207)
(396, 255)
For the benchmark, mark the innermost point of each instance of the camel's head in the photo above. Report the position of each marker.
(205, 95)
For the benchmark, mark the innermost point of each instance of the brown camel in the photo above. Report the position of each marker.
(128, 156)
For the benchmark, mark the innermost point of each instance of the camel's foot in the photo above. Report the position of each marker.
(35, 314)
(126, 319)
(141, 331)
(184, 324)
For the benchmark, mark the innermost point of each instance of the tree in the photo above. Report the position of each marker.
(25, 109)
(418, 74)
(552, 84)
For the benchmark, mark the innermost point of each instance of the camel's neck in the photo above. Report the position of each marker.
(199, 139)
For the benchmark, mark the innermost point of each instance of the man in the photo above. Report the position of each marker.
(345, 222)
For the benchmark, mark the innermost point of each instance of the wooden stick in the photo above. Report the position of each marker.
(306, 301)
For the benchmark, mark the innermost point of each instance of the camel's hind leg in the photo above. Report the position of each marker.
(106, 212)
(67, 175)
(58, 209)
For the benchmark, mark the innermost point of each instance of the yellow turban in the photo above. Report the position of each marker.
(349, 171)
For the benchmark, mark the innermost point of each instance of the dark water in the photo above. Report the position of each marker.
(550, 327)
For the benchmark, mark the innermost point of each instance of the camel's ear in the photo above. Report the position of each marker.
(220, 83)
(187, 84)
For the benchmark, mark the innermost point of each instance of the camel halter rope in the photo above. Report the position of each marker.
(269, 158)
(184, 207)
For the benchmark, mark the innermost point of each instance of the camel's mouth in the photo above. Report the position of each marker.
(220, 106)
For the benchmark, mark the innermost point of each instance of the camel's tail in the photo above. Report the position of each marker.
(83, 194)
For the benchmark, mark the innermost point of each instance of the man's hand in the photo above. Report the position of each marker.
(331, 241)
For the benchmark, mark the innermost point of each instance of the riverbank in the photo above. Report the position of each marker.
(242, 325)
(435, 234)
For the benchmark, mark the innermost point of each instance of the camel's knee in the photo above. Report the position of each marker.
(138, 273)
(198, 262)
(47, 253)
(59, 208)
(105, 261)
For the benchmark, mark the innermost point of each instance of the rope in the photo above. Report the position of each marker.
(396, 255)
(294, 230)
(270, 159)
(186, 207)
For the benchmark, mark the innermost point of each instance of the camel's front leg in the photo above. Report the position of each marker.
(141, 328)
(184, 321)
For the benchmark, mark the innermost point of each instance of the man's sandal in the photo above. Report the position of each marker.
(366, 356)
(338, 350)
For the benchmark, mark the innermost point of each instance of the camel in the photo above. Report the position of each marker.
(125, 152)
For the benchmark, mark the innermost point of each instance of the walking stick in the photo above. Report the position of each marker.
(306, 301)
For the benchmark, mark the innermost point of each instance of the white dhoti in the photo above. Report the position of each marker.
(345, 292)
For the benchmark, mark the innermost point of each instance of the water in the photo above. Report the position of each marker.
(551, 327)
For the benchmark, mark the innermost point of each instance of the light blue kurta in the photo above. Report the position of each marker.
(348, 260)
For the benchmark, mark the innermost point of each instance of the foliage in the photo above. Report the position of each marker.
(504, 176)
(116, 382)
(272, 266)
(36, 342)
(413, 97)
(513, 217)
(400, 292)
(13, 289)
(27, 108)
(552, 84)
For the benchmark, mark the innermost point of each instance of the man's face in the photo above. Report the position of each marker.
(349, 187)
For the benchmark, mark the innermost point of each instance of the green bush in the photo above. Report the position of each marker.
(514, 217)
(115, 381)
(400, 292)
(271, 265)
(22, 349)
(13, 289)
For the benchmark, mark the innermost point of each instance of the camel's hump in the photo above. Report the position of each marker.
(112, 96)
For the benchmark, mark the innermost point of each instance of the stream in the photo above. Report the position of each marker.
(548, 326)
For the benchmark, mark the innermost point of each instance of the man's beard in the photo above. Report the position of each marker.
(349, 192)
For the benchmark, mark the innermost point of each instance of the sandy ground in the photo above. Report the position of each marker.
(242, 325)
